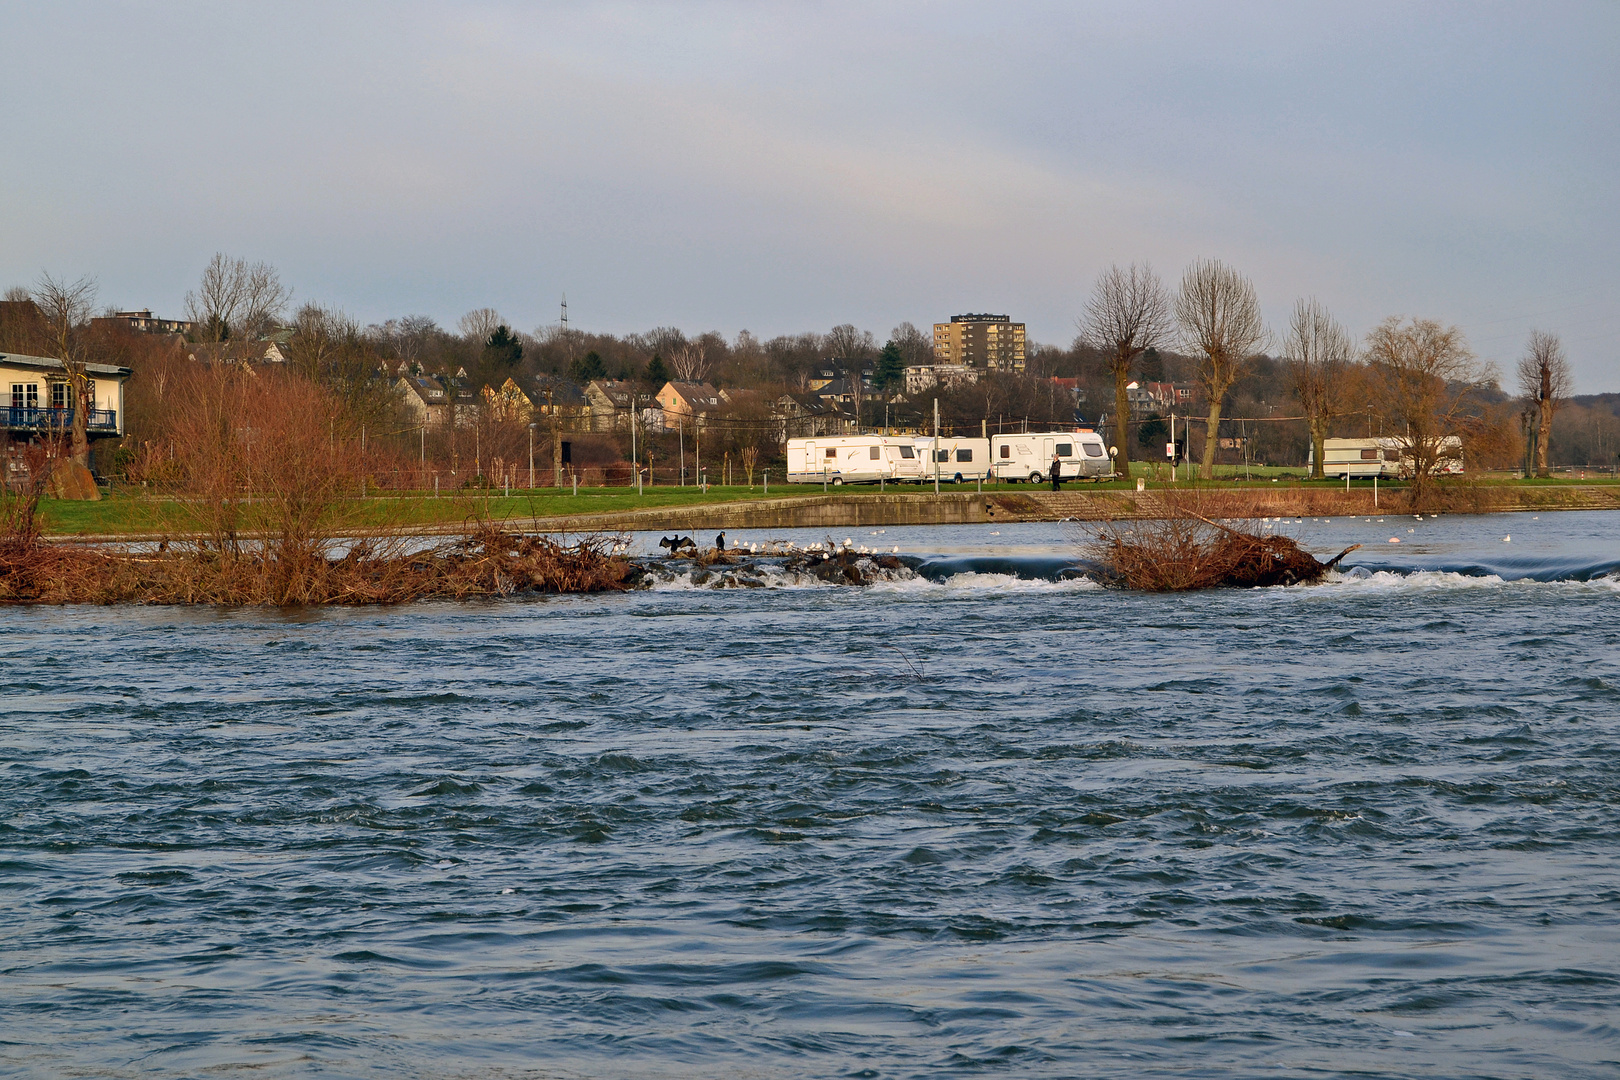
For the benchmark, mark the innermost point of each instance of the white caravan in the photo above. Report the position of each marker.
(852, 459)
(1081, 454)
(957, 460)
(1385, 457)
(1359, 458)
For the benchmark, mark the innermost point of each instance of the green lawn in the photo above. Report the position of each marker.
(126, 513)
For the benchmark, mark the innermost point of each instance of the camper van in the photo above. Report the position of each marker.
(955, 460)
(1029, 456)
(1386, 458)
(852, 459)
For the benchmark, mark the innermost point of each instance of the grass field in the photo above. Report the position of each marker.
(125, 513)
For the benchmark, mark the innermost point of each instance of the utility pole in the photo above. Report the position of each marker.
(936, 446)
(531, 457)
(556, 436)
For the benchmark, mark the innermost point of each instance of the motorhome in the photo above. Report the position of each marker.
(1386, 457)
(955, 460)
(1028, 456)
(853, 459)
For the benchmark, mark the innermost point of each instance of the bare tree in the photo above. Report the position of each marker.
(1220, 317)
(477, 325)
(916, 347)
(236, 299)
(1544, 379)
(845, 342)
(690, 362)
(1425, 377)
(1127, 315)
(66, 307)
(18, 294)
(264, 301)
(1319, 351)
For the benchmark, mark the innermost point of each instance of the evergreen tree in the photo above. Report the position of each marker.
(657, 373)
(891, 367)
(587, 368)
(503, 348)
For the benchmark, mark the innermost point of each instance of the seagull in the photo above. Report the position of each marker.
(894, 551)
(1394, 539)
(1507, 539)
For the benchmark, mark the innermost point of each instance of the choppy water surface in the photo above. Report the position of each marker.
(973, 824)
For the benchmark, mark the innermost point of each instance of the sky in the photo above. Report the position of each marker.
(782, 167)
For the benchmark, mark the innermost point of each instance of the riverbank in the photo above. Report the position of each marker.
(688, 509)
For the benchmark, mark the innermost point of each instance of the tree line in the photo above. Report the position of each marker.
(1416, 378)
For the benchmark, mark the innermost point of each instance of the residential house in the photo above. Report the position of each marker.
(921, 377)
(509, 403)
(688, 399)
(425, 399)
(803, 415)
(41, 404)
(143, 321)
(608, 403)
(239, 352)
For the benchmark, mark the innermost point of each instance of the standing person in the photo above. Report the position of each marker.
(1057, 471)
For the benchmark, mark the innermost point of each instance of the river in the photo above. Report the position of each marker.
(986, 819)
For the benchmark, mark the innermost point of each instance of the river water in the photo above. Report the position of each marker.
(967, 822)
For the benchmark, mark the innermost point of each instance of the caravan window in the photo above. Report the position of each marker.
(1006, 451)
(832, 453)
(1065, 449)
(964, 455)
(906, 452)
(942, 455)
(1369, 455)
(1093, 449)
(875, 452)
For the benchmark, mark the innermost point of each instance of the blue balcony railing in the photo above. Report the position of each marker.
(35, 419)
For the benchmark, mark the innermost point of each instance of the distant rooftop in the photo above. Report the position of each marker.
(981, 318)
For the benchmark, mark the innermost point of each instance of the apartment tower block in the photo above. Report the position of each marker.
(986, 342)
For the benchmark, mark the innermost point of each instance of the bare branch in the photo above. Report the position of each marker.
(1319, 352)
(1128, 314)
(1220, 317)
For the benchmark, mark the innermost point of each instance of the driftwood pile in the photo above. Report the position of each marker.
(1185, 551)
(484, 561)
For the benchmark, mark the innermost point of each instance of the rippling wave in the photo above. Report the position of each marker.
(980, 817)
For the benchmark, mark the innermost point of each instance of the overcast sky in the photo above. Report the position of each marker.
(787, 167)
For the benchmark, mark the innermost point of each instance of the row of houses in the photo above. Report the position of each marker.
(610, 405)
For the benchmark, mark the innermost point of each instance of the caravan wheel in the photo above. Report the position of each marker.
(838, 481)
(1035, 477)
(958, 479)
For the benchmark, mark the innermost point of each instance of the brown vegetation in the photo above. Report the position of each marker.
(485, 561)
(1186, 550)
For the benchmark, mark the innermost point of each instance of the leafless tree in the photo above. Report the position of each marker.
(1220, 317)
(477, 325)
(18, 294)
(690, 362)
(66, 307)
(1544, 379)
(237, 299)
(264, 301)
(916, 347)
(1319, 352)
(1128, 314)
(1425, 377)
(845, 342)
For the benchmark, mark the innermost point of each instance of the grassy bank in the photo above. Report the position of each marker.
(134, 514)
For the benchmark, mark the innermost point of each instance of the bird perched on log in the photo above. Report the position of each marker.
(720, 542)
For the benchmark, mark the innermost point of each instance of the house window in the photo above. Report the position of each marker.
(24, 395)
(60, 397)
